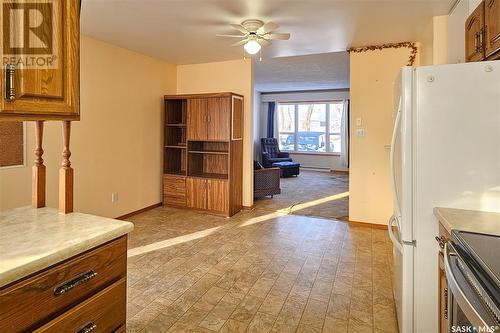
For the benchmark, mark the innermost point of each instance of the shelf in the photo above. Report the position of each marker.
(208, 152)
(176, 173)
(176, 125)
(177, 147)
(209, 175)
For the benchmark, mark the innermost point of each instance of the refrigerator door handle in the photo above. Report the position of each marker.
(392, 161)
(393, 238)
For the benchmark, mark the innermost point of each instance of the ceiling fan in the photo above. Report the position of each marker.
(256, 34)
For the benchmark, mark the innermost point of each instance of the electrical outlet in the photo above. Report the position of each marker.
(114, 197)
(359, 122)
(360, 132)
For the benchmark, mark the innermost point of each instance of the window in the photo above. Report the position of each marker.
(310, 127)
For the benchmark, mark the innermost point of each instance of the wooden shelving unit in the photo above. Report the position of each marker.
(203, 148)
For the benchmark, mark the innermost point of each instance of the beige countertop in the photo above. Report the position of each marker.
(469, 220)
(33, 239)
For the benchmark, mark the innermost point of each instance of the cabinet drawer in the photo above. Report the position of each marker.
(174, 200)
(174, 186)
(103, 313)
(37, 299)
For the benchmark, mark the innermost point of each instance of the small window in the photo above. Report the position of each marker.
(11, 144)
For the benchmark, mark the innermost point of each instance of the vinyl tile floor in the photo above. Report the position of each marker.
(259, 271)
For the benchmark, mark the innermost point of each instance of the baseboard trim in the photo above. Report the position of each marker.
(367, 225)
(247, 207)
(142, 210)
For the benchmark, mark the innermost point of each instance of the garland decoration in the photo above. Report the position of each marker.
(411, 45)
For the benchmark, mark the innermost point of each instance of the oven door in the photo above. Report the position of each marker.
(466, 310)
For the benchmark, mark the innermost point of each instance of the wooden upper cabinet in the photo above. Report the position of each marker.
(42, 43)
(492, 27)
(218, 195)
(474, 28)
(197, 119)
(219, 114)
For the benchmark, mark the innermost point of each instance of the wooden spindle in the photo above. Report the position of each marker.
(66, 174)
(38, 170)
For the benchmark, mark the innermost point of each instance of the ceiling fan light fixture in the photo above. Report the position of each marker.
(252, 47)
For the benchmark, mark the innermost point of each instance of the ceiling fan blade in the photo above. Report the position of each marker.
(241, 42)
(232, 36)
(263, 41)
(278, 36)
(268, 27)
(240, 28)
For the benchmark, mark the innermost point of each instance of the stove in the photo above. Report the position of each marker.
(472, 265)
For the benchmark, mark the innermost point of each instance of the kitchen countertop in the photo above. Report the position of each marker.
(34, 239)
(469, 220)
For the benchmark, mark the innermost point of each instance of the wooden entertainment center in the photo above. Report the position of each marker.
(203, 152)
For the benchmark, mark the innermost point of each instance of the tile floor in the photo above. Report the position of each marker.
(262, 270)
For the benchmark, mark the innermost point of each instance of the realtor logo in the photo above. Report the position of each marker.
(28, 33)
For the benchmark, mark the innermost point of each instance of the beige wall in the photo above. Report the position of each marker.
(372, 78)
(117, 144)
(434, 42)
(234, 76)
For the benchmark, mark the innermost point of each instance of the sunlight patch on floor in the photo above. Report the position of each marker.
(170, 242)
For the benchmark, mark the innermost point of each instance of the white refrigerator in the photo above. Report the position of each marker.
(445, 151)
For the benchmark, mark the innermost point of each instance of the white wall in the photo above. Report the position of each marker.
(315, 161)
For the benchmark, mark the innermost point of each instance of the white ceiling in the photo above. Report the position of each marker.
(310, 72)
(183, 31)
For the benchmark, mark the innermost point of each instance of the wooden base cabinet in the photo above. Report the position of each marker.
(86, 290)
(203, 159)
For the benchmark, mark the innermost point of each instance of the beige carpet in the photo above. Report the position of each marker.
(312, 193)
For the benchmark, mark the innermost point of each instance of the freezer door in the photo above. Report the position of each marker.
(402, 278)
(401, 156)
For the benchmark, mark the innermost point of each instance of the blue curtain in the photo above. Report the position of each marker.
(270, 119)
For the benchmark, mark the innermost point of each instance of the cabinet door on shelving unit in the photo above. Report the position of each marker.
(492, 26)
(196, 193)
(43, 79)
(474, 44)
(218, 120)
(197, 119)
(218, 195)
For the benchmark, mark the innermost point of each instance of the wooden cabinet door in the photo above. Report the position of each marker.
(218, 195)
(492, 26)
(474, 50)
(218, 120)
(196, 193)
(43, 48)
(197, 119)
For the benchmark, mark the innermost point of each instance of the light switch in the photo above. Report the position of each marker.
(360, 132)
(359, 122)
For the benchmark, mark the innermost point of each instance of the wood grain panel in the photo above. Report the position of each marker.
(473, 26)
(218, 195)
(174, 185)
(106, 311)
(215, 164)
(36, 293)
(236, 177)
(50, 93)
(197, 119)
(492, 22)
(196, 193)
(11, 144)
(218, 121)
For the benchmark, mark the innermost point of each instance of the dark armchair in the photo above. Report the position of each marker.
(271, 152)
(266, 181)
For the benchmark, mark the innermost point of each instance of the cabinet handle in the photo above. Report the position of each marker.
(441, 241)
(10, 89)
(87, 328)
(476, 42)
(80, 279)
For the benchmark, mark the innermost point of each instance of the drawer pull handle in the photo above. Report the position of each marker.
(67, 286)
(87, 328)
